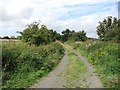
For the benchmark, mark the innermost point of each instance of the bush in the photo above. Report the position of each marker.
(34, 34)
(22, 65)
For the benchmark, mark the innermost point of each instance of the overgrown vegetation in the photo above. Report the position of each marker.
(22, 64)
(104, 55)
(34, 34)
(109, 29)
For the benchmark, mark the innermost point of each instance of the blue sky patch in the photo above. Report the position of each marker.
(80, 10)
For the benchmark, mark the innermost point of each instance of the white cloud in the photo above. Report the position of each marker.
(17, 13)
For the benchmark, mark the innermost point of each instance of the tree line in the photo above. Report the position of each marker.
(37, 34)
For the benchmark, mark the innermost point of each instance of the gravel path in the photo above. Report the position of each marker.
(90, 79)
(54, 78)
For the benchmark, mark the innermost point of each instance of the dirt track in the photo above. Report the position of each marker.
(56, 80)
(90, 78)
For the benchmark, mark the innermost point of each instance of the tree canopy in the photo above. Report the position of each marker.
(39, 34)
(109, 29)
(35, 34)
(72, 35)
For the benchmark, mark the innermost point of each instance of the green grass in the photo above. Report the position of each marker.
(104, 55)
(74, 70)
(23, 65)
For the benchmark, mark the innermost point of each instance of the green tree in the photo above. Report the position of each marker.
(6, 37)
(108, 29)
(101, 28)
(33, 34)
(46, 35)
(56, 36)
(72, 35)
(80, 36)
(67, 34)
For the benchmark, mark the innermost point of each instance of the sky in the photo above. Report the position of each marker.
(119, 9)
(55, 14)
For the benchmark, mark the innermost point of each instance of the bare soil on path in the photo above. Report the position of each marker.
(54, 78)
(90, 78)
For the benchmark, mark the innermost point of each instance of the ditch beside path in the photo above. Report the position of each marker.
(54, 78)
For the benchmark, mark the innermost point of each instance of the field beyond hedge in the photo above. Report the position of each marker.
(23, 65)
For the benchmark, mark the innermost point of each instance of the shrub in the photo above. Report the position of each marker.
(22, 65)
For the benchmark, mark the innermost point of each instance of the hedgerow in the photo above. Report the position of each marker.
(22, 64)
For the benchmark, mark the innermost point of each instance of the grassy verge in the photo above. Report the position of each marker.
(74, 71)
(23, 65)
(104, 55)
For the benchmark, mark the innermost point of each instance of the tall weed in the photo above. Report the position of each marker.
(22, 65)
(104, 55)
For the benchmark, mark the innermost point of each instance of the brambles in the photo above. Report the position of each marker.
(22, 64)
